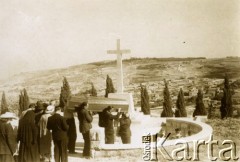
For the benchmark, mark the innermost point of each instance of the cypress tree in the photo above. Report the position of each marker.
(210, 111)
(167, 102)
(65, 93)
(200, 108)
(26, 99)
(180, 111)
(145, 107)
(23, 101)
(4, 106)
(93, 91)
(109, 86)
(226, 101)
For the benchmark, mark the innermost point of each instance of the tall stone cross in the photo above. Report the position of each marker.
(119, 53)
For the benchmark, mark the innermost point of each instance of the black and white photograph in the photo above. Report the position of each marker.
(119, 80)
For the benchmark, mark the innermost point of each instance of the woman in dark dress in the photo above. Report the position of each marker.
(27, 135)
(124, 131)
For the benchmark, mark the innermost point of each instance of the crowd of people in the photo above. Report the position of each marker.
(44, 126)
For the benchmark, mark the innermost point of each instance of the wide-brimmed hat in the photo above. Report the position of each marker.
(50, 109)
(39, 105)
(8, 115)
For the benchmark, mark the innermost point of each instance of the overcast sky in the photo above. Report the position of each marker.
(43, 34)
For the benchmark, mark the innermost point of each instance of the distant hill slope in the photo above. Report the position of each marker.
(46, 84)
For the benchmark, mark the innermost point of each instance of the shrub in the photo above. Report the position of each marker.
(226, 108)
(4, 105)
(145, 107)
(180, 104)
(200, 108)
(65, 93)
(167, 102)
(93, 91)
(23, 101)
(109, 86)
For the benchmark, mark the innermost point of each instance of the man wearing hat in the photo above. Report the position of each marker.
(39, 108)
(8, 142)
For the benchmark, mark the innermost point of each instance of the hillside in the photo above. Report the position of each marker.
(181, 72)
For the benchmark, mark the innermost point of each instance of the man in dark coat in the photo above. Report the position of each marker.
(8, 139)
(124, 131)
(59, 127)
(72, 132)
(85, 119)
(109, 129)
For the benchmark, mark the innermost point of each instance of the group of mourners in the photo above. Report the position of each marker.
(115, 125)
(43, 125)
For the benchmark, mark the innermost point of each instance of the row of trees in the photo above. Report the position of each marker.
(66, 92)
(63, 99)
(226, 108)
(23, 102)
(167, 103)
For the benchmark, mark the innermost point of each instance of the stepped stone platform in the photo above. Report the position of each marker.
(191, 129)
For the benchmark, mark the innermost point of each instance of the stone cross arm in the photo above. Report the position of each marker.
(118, 50)
(124, 51)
